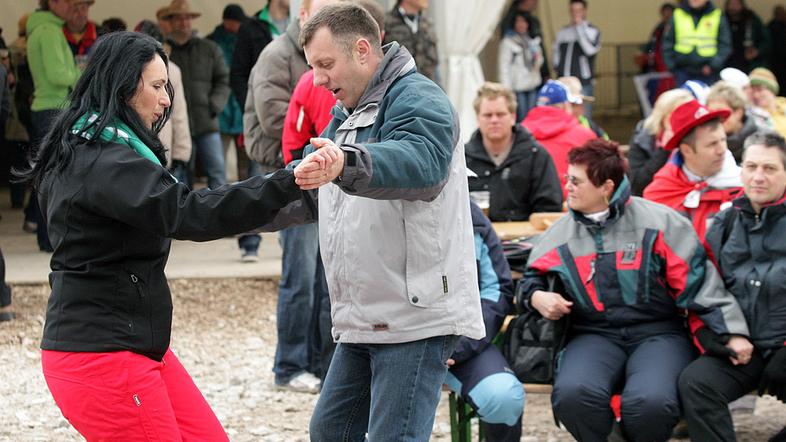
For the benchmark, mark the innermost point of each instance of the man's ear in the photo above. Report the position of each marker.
(362, 49)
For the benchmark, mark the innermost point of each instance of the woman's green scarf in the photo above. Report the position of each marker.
(116, 132)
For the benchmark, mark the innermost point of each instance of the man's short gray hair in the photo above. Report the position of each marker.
(767, 138)
(346, 22)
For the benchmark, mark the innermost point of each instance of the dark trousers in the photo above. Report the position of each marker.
(643, 366)
(42, 122)
(706, 388)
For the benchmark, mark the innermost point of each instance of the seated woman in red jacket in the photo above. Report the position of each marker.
(112, 207)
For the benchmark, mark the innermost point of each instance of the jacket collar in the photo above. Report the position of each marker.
(522, 140)
(619, 200)
(778, 207)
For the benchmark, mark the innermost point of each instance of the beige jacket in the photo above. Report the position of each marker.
(270, 86)
(176, 134)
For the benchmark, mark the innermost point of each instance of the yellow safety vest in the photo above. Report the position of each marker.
(702, 37)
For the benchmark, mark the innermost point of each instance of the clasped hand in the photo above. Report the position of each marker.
(320, 167)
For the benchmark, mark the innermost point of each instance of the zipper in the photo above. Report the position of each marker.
(592, 272)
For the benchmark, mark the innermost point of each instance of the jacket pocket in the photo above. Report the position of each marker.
(427, 280)
(137, 301)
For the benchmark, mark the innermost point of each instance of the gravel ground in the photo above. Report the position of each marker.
(224, 333)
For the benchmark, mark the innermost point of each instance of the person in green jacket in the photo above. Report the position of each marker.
(54, 74)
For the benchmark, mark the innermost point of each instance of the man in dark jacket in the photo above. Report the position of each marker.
(746, 241)
(254, 34)
(515, 174)
(206, 86)
(409, 26)
(698, 42)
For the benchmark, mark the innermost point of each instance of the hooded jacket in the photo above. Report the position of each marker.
(525, 183)
(671, 187)
(307, 116)
(752, 262)
(51, 61)
(559, 132)
(395, 229)
(636, 268)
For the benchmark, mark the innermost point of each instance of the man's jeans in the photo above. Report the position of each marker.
(389, 391)
(300, 245)
(211, 152)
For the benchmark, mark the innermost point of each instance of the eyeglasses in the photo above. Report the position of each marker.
(573, 180)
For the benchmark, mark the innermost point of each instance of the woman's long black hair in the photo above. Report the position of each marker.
(109, 81)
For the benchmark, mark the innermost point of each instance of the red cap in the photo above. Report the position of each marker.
(689, 115)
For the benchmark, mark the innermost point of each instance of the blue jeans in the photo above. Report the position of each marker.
(526, 100)
(211, 152)
(389, 391)
(300, 246)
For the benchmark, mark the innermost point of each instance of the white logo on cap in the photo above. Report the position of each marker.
(700, 112)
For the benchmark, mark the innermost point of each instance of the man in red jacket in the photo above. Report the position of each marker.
(554, 126)
(701, 174)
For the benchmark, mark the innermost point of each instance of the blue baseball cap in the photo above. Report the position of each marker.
(698, 89)
(553, 92)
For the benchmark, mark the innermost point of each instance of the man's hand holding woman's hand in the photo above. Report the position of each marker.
(321, 166)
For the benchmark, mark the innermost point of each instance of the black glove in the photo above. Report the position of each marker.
(773, 379)
(714, 344)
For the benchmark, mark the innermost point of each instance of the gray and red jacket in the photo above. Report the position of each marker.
(642, 265)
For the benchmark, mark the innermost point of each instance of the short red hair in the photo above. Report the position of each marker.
(602, 159)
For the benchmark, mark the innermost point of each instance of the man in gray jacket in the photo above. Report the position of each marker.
(206, 85)
(395, 232)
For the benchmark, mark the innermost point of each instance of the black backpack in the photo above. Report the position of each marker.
(532, 343)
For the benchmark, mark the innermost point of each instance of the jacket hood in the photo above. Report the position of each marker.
(293, 33)
(39, 18)
(548, 122)
(617, 205)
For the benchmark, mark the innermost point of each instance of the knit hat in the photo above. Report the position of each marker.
(764, 77)
(689, 115)
(233, 12)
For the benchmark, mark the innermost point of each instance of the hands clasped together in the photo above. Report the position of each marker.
(320, 167)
